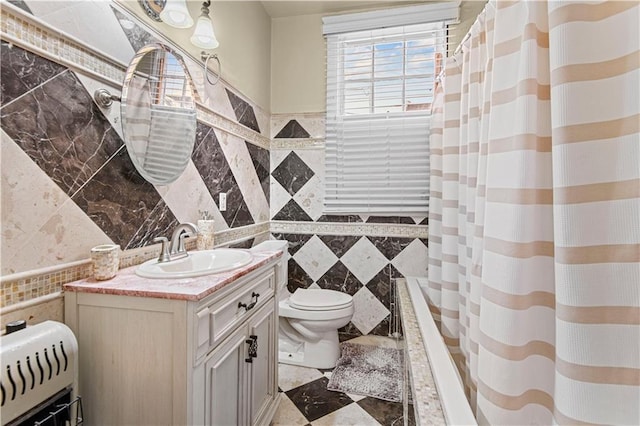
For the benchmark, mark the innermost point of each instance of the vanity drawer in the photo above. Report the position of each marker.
(217, 320)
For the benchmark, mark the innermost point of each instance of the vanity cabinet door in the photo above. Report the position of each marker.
(226, 382)
(262, 370)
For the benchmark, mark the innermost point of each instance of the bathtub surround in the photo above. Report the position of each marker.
(67, 181)
(356, 254)
(535, 228)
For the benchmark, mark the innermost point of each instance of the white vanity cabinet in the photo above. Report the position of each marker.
(158, 361)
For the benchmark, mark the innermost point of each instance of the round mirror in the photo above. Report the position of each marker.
(158, 114)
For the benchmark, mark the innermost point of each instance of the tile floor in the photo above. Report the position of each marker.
(306, 400)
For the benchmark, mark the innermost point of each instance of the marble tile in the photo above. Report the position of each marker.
(390, 247)
(243, 111)
(260, 160)
(315, 401)
(379, 341)
(244, 244)
(350, 415)
(277, 156)
(112, 114)
(278, 197)
(23, 71)
(51, 310)
(297, 276)
(292, 212)
(55, 230)
(339, 244)
(263, 117)
(310, 198)
(340, 278)
(364, 260)
(288, 414)
(292, 376)
(292, 129)
(315, 258)
(188, 195)
(212, 165)
(21, 4)
(380, 285)
(136, 35)
(292, 173)
(245, 174)
(160, 222)
(98, 28)
(122, 203)
(340, 218)
(314, 159)
(391, 219)
(313, 123)
(348, 332)
(384, 412)
(296, 241)
(368, 311)
(384, 328)
(62, 130)
(413, 260)
(67, 236)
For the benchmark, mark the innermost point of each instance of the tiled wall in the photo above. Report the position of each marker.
(67, 181)
(359, 255)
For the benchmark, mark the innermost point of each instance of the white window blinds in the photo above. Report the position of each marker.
(379, 93)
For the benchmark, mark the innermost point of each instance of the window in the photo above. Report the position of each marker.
(379, 93)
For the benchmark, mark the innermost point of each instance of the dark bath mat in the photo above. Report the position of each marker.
(369, 371)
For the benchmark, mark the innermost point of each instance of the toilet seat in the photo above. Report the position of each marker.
(319, 300)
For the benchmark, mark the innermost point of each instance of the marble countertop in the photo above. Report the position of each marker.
(127, 283)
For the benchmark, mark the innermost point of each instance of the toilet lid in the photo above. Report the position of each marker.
(313, 299)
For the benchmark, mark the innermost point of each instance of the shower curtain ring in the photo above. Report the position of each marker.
(205, 57)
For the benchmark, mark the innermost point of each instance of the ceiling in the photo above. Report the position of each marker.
(280, 9)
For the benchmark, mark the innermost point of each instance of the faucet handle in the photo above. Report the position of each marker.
(164, 251)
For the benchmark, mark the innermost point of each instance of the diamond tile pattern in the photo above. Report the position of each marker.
(353, 264)
(315, 258)
(369, 311)
(292, 129)
(364, 260)
(306, 400)
(292, 173)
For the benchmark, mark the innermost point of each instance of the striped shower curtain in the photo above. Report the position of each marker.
(534, 246)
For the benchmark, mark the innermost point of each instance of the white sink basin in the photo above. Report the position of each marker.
(198, 263)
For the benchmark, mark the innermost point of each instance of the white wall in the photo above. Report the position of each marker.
(243, 29)
(298, 59)
(297, 64)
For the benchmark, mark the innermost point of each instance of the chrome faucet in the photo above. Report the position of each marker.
(176, 249)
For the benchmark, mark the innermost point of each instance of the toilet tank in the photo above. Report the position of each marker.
(282, 270)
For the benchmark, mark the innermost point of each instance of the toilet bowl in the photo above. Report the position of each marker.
(309, 323)
(309, 319)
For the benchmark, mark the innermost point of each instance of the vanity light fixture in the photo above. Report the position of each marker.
(203, 36)
(176, 14)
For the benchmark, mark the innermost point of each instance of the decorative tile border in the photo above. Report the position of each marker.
(30, 33)
(308, 143)
(353, 229)
(220, 122)
(33, 284)
(29, 285)
(425, 396)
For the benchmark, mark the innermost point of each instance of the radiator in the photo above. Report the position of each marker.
(39, 366)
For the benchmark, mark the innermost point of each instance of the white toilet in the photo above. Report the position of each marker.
(309, 318)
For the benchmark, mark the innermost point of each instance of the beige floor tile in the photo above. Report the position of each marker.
(292, 376)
